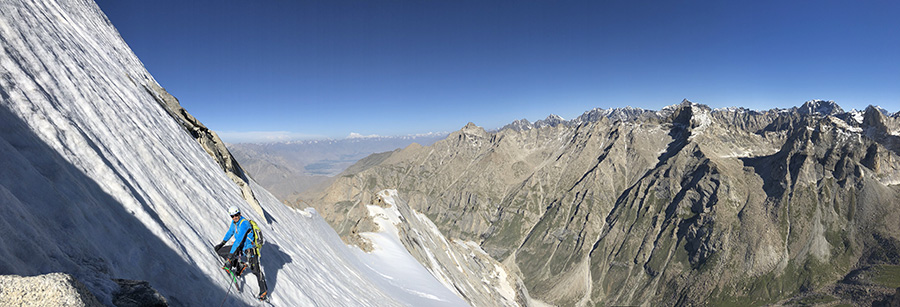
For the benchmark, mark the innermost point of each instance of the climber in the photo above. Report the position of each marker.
(244, 245)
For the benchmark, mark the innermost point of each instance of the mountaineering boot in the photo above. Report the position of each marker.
(263, 296)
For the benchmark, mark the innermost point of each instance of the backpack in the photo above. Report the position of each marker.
(258, 239)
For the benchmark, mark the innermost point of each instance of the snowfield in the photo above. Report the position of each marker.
(100, 182)
(402, 271)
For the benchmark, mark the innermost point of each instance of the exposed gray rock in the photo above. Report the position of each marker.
(48, 290)
(137, 293)
(208, 139)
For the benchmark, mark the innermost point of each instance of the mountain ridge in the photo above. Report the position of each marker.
(556, 204)
(810, 107)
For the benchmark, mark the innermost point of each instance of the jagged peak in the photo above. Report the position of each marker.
(680, 114)
(615, 114)
(629, 114)
(473, 129)
(554, 117)
(882, 110)
(874, 118)
(687, 103)
(523, 121)
(518, 125)
(552, 121)
(820, 107)
(674, 111)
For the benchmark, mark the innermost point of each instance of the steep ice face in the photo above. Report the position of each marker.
(100, 182)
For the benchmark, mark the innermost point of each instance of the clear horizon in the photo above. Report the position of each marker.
(313, 70)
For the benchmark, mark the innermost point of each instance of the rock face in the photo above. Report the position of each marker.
(686, 205)
(49, 290)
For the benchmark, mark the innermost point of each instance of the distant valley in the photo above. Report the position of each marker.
(287, 169)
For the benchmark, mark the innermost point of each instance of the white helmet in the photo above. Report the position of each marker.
(233, 210)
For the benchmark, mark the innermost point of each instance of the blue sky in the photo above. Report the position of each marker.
(313, 69)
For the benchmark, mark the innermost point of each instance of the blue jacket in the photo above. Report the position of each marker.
(238, 230)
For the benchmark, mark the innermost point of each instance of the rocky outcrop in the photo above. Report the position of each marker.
(208, 139)
(686, 205)
(49, 290)
(61, 289)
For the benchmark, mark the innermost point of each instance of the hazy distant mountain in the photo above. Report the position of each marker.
(288, 168)
(682, 206)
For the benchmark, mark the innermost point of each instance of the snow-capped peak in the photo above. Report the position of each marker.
(519, 125)
(551, 121)
(354, 135)
(820, 107)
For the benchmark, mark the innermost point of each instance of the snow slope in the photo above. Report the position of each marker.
(461, 266)
(99, 182)
(403, 274)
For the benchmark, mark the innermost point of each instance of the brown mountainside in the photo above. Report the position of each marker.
(686, 205)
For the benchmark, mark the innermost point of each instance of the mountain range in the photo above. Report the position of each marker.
(109, 184)
(687, 205)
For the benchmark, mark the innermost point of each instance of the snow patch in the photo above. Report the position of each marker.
(843, 125)
(391, 260)
(452, 263)
(858, 116)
